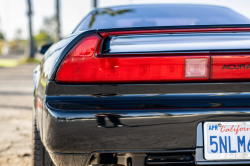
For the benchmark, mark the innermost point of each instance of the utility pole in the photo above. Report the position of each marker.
(58, 26)
(95, 3)
(31, 40)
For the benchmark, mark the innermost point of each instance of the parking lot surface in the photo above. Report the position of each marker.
(16, 88)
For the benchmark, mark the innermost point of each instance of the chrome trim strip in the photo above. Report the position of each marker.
(179, 42)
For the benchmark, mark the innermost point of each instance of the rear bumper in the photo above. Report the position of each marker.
(76, 135)
(83, 125)
(170, 129)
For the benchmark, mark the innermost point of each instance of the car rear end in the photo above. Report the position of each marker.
(150, 97)
(147, 96)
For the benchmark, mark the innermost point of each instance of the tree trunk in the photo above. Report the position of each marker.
(58, 28)
(31, 51)
(95, 3)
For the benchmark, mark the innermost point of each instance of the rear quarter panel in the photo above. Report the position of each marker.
(46, 69)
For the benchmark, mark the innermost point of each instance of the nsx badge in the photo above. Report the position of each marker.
(240, 66)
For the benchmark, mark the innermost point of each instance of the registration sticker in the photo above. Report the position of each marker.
(227, 140)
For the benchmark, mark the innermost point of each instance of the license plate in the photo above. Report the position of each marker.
(227, 140)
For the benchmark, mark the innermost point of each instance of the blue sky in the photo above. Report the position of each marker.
(13, 12)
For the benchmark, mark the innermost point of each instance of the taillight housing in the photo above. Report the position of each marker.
(73, 68)
(230, 66)
(85, 63)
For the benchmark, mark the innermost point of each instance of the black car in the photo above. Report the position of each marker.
(146, 85)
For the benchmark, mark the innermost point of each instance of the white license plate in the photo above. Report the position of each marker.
(227, 140)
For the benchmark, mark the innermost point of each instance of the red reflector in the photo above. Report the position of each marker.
(39, 105)
(230, 66)
(121, 69)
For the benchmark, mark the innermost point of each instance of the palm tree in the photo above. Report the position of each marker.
(31, 40)
(58, 25)
(95, 4)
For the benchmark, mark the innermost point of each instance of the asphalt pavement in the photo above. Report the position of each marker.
(16, 91)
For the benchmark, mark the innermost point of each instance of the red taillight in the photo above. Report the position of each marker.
(230, 66)
(85, 64)
(74, 66)
(127, 70)
(81, 66)
(86, 47)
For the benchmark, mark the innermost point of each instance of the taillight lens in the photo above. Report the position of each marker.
(230, 66)
(81, 66)
(86, 48)
(84, 65)
(73, 67)
(196, 68)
